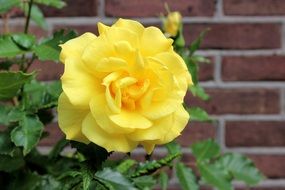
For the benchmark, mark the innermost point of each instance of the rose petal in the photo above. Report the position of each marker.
(111, 142)
(101, 113)
(148, 146)
(157, 131)
(157, 110)
(111, 64)
(131, 120)
(70, 119)
(180, 120)
(76, 46)
(78, 84)
(102, 28)
(153, 42)
(132, 25)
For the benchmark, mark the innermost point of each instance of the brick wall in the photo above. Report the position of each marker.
(246, 78)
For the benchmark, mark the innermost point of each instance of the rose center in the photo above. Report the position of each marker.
(129, 90)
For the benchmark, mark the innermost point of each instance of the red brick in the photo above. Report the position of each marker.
(236, 36)
(76, 8)
(47, 70)
(206, 70)
(272, 166)
(35, 30)
(239, 101)
(254, 7)
(55, 135)
(140, 8)
(80, 29)
(265, 68)
(195, 132)
(255, 133)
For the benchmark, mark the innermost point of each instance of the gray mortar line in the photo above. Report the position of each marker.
(101, 8)
(218, 69)
(156, 20)
(254, 85)
(219, 13)
(221, 133)
(258, 150)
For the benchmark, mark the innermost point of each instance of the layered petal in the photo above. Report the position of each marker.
(153, 42)
(70, 119)
(111, 142)
(76, 46)
(78, 84)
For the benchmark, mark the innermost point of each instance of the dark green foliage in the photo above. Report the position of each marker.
(49, 49)
(186, 177)
(12, 82)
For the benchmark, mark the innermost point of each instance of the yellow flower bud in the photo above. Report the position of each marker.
(172, 23)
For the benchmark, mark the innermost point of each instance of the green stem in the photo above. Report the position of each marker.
(29, 63)
(28, 16)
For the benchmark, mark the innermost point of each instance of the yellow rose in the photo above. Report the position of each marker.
(123, 88)
(172, 23)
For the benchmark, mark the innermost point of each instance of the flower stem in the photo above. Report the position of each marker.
(28, 16)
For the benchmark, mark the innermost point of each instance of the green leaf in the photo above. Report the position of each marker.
(28, 133)
(124, 166)
(8, 48)
(6, 5)
(9, 163)
(25, 181)
(215, 176)
(198, 114)
(144, 182)
(87, 176)
(163, 179)
(25, 41)
(199, 59)
(6, 146)
(151, 166)
(52, 3)
(36, 15)
(40, 95)
(173, 148)
(205, 150)
(48, 182)
(9, 114)
(192, 68)
(241, 168)
(196, 43)
(114, 180)
(198, 91)
(11, 82)
(186, 177)
(49, 50)
(4, 111)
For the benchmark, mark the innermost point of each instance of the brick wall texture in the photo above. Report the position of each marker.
(246, 79)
